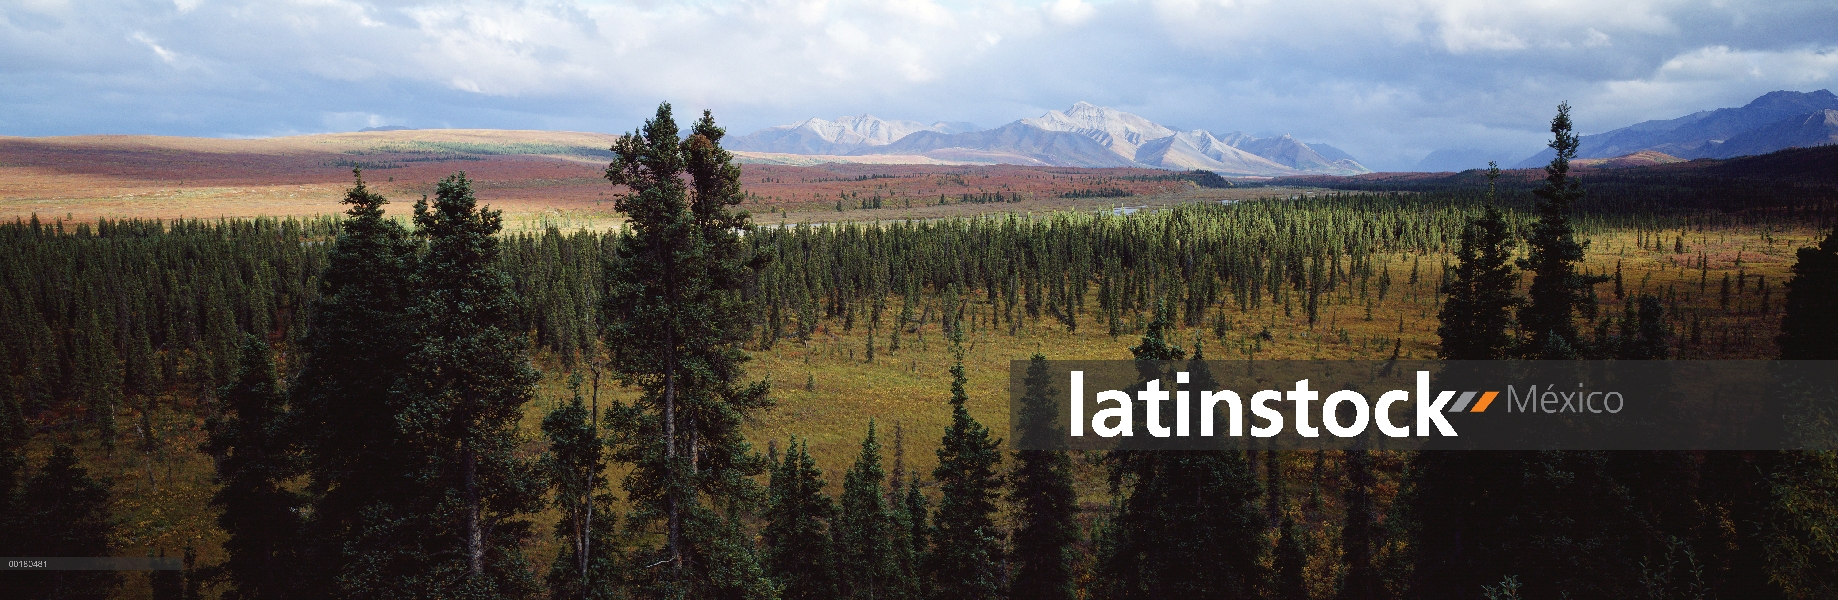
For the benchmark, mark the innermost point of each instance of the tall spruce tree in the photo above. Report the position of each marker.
(345, 401)
(64, 512)
(588, 565)
(1360, 535)
(467, 382)
(13, 437)
(1802, 553)
(1809, 325)
(1042, 494)
(1557, 289)
(966, 558)
(800, 553)
(1476, 318)
(675, 319)
(255, 459)
(1185, 524)
(918, 520)
(870, 568)
(907, 546)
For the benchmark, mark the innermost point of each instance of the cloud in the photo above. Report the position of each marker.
(166, 55)
(1387, 80)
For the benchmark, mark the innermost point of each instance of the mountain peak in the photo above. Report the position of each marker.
(1119, 131)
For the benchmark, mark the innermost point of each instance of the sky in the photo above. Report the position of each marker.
(1388, 81)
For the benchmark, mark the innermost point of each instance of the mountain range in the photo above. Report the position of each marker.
(1083, 136)
(1774, 121)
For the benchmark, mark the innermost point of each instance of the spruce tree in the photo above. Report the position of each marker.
(1287, 581)
(1801, 554)
(467, 382)
(587, 566)
(869, 566)
(1809, 326)
(675, 319)
(918, 519)
(1183, 527)
(13, 437)
(1359, 534)
(1043, 498)
(255, 460)
(1476, 316)
(345, 401)
(966, 559)
(799, 551)
(1557, 289)
(907, 545)
(64, 512)
(1650, 340)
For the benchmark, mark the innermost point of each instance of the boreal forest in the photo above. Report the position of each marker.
(408, 400)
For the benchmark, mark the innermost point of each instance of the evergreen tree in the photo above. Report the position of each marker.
(675, 318)
(907, 543)
(918, 520)
(1359, 534)
(1287, 582)
(1043, 498)
(254, 462)
(64, 512)
(1476, 317)
(1809, 327)
(1802, 554)
(1650, 339)
(966, 560)
(1183, 527)
(1557, 289)
(869, 566)
(345, 401)
(467, 382)
(587, 566)
(799, 552)
(13, 437)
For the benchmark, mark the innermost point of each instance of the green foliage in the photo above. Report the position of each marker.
(255, 459)
(1041, 491)
(1809, 328)
(345, 400)
(800, 555)
(1185, 514)
(1802, 554)
(868, 561)
(467, 380)
(674, 320)
(1557, 289)
(589, 562)
(966, 559)
(64, 512)
(1477, 316)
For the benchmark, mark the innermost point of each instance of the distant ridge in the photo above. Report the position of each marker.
(1084, 135)
(1773, 121)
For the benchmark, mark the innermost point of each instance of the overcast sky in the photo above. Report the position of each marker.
(1388, 81)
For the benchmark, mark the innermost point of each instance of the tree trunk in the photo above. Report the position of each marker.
(672, 505)
(475, 543)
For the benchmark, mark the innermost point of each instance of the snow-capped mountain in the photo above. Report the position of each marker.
(1119, 131)
(841, 136)
(1198, 149)
(1084, 135)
